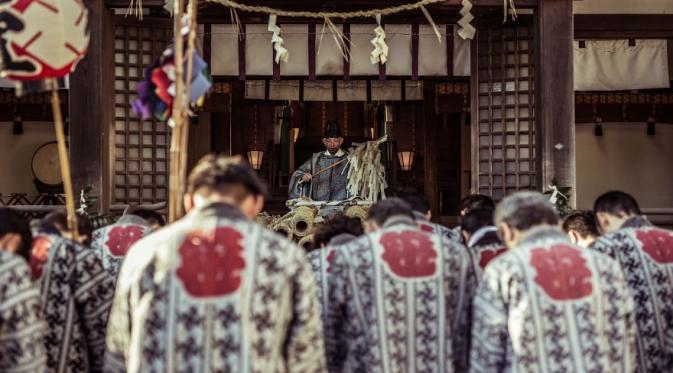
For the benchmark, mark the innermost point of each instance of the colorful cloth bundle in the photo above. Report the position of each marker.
(157, 90)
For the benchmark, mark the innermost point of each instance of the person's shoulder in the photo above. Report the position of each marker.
(9, 260)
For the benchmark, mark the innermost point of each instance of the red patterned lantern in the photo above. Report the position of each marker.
(42, 39)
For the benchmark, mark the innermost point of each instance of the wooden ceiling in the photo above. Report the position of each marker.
(442, 12)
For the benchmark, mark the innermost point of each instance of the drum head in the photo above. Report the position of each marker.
(45, 164)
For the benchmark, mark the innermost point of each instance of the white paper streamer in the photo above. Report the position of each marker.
(467, 31)
(555, 194)
(380, 52)
(281, 53)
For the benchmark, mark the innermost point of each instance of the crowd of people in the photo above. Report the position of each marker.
(511, 288)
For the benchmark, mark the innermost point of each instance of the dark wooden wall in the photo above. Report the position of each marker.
(430, 128)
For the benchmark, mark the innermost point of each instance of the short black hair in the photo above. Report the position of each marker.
(13, 222)
(387, 208)
(475, 201)
(414, 198)
(152, 217)
(476, 219)
(617, 203)
(582, 222)
(57, 221)
(339, 224)
(225, 175)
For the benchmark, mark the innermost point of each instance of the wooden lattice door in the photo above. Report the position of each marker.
(503, 110)
(140, 162)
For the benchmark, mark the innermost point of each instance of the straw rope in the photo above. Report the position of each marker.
(303, 14)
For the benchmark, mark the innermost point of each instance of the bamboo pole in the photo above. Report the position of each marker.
(174, 202)
(184, 132)
(64, 163)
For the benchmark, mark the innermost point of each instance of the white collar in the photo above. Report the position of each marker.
(339, 153)
(480, 233)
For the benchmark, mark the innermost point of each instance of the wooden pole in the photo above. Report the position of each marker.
(64, 163)
(174, 202)
(184, 125)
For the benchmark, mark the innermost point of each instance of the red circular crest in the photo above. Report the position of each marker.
(409, 254)
(120, 239)
(487, 255)
(562, 272)
(658, 244)
(39, 255)
(212, 262)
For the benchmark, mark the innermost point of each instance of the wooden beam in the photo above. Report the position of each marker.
(91, 104)
(555, 104)
(620, 26)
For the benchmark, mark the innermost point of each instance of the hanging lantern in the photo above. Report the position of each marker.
(43, 40)
(255, 158)
(406, 159)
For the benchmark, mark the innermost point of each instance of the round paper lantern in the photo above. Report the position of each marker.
(42, 38)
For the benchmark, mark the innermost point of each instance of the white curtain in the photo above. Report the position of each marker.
(613, 65)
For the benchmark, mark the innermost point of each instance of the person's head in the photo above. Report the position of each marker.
(153, 218)
(475, 201)
(56, 222)
(217, 178)
(614, 208)
(416, 199)
(15, 235)
(337, 225)
(521, 212)
(581, 228)
(385, 209)
(332, 137)
(475, 220)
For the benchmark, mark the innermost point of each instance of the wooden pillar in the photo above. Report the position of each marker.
(430, 150)
(555, 105)
(91, 109)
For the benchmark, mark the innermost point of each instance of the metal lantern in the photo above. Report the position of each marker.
(406, 159)
(255, 158)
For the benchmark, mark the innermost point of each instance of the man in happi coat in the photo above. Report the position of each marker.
(645, 254)
(323, 177)
(481, 237)
(337, 231)
(419, 203)
(214, 291)
(21, 325)
(111, 243)
(547, 305)
(581, 228)
(399, 298)
(469, 203)
(76, 295)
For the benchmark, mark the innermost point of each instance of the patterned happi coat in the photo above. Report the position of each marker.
(434, 228)
(485, 245)
(76, 294)
(327, 186)
(399, 301)
(21, 325)
(550, 306)
(112, 242)
(645, 254)
(215, 292)
(321, 264)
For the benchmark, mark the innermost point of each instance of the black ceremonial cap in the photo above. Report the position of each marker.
(332, 130)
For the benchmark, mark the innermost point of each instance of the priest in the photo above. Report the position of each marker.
(323, 177)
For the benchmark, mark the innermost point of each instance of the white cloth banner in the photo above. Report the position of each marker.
(432, 54)
(613, 65)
